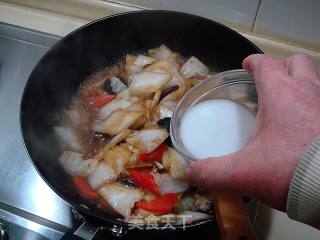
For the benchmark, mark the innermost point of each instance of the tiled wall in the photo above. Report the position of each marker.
(293, 21)
(235, 13)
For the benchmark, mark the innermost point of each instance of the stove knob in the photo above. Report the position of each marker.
(3, 233)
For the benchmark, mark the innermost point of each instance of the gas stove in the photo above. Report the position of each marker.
(29, 209)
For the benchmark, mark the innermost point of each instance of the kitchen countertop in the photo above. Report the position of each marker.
(271, 224)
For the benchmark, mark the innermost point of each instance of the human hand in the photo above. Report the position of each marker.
(287, 121)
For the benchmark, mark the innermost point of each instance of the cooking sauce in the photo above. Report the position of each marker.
(215, 128)
(115, 135)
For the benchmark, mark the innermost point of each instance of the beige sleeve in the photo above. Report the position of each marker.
(303, 203)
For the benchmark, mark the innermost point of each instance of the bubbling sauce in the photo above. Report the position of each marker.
(215, 128)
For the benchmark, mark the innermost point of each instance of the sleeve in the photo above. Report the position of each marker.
(303, 202)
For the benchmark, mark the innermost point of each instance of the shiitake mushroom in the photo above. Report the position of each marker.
(114, 85)
(165, 123)
(128, 182)
(168, 90)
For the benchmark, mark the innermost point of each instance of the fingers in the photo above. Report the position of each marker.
(252, 62)
(220, 174)
(301, 66)
(266, 70)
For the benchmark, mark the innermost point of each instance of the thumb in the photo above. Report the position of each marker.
(221, 174)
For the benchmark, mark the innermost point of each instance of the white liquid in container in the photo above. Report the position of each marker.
(215, 128)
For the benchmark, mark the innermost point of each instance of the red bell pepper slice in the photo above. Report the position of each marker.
(155, 154)
(99, 101)
(85, 189)
(145, 180)
(161, 205)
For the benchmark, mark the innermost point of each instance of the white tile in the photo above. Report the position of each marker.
(235, 13)
(59, 18)
(294, 21)
(275, 225)
(39, 20)
(83, 9)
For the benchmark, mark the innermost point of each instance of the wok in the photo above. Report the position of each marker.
(58, 75)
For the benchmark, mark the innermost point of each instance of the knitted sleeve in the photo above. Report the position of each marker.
(303, 203)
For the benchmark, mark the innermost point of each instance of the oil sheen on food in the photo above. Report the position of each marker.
(215, 128)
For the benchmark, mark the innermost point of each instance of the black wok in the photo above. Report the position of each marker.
(57, 77)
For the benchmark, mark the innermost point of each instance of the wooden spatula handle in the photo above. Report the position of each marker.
(232, 217)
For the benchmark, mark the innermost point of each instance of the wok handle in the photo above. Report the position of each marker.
(71, 236)
(86, 231)
(233, 219)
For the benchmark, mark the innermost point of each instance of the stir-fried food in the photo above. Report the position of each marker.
(115, 137)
